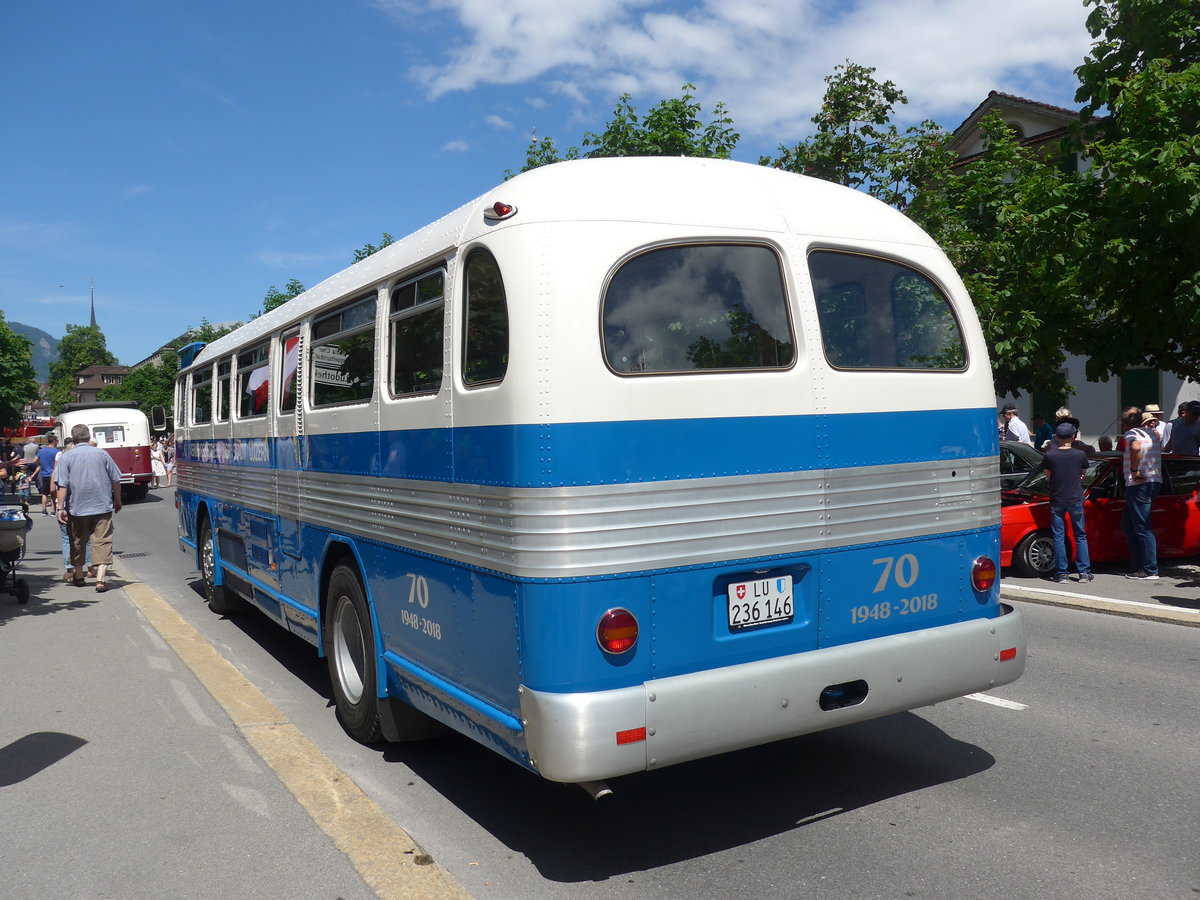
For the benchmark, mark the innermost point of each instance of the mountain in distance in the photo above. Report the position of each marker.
(45, 348)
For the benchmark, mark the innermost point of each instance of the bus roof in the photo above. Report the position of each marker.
(724, 196)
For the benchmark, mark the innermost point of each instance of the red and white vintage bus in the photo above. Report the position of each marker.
(122, 429)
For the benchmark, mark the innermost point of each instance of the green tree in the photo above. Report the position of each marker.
(368, 249)
(1005, 221)
(672, 127)
(82, 346)
(18, 382)
(1138, 242)
(276, 297)
(154, 385)
(857, 145)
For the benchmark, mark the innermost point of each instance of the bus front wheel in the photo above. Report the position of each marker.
(350, 652)
(220, 600)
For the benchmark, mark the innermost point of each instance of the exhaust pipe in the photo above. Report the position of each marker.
(598, 790)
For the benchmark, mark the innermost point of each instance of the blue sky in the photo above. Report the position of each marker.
(188, 156)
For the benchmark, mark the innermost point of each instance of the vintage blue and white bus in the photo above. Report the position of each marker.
(625, 463)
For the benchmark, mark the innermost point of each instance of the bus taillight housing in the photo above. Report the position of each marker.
(983, 574)
(617, 631)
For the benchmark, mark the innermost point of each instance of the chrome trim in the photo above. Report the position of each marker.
(611, 529)
(571, 737)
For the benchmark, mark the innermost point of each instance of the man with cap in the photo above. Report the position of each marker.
(1185, 431)
(1014, 428)
(1142, 465)
(1065, 466)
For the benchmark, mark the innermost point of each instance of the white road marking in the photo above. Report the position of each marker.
(996, 701)
(1072, 594)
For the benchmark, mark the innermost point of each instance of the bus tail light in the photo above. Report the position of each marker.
(617, 631)
(983, 574)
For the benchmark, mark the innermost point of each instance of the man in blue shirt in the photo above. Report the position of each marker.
(89, 494)
(46, 456)
(1064, 467)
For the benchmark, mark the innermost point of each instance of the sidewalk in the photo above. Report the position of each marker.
(1174, 598)
(120, 776)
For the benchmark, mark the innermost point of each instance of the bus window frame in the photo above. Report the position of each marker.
(222, 411)
(203, 375)
(238, 372)
(419, 309)
(315, 343)
(903, 263)
(786, 288)
(467, 384)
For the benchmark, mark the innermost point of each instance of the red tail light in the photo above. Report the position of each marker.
(983, 574)
(617, 631)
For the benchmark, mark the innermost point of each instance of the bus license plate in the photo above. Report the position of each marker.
(764, 601)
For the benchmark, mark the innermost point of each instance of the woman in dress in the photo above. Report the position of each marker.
(158, 467)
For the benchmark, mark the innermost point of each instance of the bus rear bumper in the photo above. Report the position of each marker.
(590, 736)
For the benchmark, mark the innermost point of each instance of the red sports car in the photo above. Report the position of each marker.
(1027, 545)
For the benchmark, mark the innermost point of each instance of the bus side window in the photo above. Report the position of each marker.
(343, 354)
(222, 409)
(291, 366)
(485, 340)
(253, 380)
(202, 396)
(417, 318)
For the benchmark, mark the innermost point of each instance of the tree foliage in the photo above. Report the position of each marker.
(857, 145)
(386, 240)
(276, 297)
(18, 382)
(672, 127)
(153, 385)
(82, 346)
(1005, 222)
(1138, 248)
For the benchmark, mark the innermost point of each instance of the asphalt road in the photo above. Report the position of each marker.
(1079, 780)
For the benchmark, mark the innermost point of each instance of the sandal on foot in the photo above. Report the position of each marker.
(101, 587)
(91, 571)
(78, 581)
(68, 576)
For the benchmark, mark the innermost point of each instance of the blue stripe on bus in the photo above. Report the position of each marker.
(625, 452)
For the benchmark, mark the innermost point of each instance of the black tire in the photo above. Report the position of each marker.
(22, 591)
(220, 600)
(1034, 556)
(350, 654)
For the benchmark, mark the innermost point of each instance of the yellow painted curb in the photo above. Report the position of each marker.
(388, 860)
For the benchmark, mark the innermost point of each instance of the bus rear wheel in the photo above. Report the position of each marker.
(350, 653)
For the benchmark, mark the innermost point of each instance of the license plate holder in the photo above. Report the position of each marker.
(760, 601)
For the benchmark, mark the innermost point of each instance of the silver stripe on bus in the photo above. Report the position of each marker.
(614, 529)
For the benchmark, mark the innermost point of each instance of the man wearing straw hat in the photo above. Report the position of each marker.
(1142, 465)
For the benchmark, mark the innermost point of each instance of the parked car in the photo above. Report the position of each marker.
(1017, 460)
(1027, 545)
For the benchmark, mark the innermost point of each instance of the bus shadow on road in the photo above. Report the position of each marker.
(694, 809)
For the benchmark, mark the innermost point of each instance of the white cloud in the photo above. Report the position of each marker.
(278, 259)
(456, 146)
(497, 122)
(766, 60)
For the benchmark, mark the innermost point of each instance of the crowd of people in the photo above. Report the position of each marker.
(1146, 436)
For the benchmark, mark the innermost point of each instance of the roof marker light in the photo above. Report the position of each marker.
(499, 211)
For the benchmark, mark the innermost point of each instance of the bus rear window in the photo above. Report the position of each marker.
(696, 308)
(879, 314)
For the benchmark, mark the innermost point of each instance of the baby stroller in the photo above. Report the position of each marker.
(14, 524)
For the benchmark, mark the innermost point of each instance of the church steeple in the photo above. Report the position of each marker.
(92, 282)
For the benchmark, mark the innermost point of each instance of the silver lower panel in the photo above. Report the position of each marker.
(572, 737)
